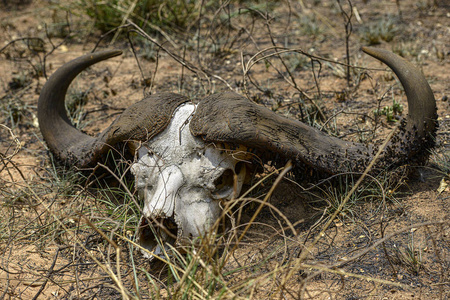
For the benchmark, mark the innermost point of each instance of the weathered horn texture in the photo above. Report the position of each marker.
(140, 121)
(418, 135)
(231, 118)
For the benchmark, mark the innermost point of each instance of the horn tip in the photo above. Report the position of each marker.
(111, 53)
(372, 51)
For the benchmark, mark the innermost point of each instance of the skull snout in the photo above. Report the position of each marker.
(182, 203)
(159, 195)
(182, 181)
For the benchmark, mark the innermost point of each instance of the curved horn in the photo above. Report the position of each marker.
(58, 131)
(140, 121)
(231, 118)
(417, 136)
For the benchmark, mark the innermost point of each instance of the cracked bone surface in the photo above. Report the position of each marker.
(182, 181)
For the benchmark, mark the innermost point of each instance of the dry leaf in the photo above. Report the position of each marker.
(442, 186)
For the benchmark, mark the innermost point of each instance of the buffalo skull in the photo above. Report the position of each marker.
(184, 163)
(182, 181)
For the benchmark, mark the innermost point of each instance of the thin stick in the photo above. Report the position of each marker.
(287, 168)
(347, 197)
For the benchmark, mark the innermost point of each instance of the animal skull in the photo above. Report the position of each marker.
(182, 176)
(182, 181)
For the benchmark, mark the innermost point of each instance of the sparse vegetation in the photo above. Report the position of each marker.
(383, 30)
(309, 25)
(153, 15)
(410, 257)
(391, 112)
(68, 233)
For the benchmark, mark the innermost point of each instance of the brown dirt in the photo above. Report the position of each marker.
(35, 255)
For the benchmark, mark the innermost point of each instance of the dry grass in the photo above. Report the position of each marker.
(68, 234)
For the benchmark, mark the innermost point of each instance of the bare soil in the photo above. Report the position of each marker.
(410, 214)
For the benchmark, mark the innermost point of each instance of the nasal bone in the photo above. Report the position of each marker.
(162, 202)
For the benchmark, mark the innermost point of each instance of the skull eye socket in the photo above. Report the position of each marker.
(239, 168)
(223, 185)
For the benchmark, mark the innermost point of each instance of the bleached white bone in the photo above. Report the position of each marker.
(182, 180)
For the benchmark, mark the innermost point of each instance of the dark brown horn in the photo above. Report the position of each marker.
(418, 135)
(231, 118)
(139, 122)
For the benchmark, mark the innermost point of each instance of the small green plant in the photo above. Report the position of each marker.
(77, 99)
(19, 81)
(410, 257)
(123, 213)
(405, 49)
(297, 62)
(172, 14)
(14, 111)
(310, 26)
(384, 30)
(390, 111)
(75, 106)
(441, 159)
(334, 193)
